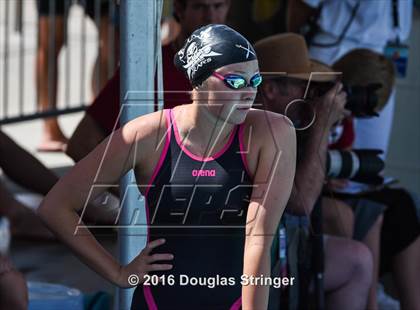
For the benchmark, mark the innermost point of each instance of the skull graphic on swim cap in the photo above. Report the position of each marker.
(210, 48)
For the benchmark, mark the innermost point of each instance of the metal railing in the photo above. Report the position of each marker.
(55, 55)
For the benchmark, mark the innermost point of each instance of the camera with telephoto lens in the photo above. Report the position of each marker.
(362, 101)
(360, 165)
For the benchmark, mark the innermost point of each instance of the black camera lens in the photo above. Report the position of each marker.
(362, 100)
(358, 165)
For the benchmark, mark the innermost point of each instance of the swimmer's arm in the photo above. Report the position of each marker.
(59, 208)
(273, 180)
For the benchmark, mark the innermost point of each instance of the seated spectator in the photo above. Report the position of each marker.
(370, 25)
(25, 170)
(399, 250)
(286, 66)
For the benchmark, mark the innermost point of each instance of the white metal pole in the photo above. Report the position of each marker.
(139, 24)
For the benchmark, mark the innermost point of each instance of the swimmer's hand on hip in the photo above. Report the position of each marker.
(133, 273)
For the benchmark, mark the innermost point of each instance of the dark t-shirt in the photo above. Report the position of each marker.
(105, 109)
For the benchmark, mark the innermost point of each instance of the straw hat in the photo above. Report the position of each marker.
(362, 67)
(287, 55)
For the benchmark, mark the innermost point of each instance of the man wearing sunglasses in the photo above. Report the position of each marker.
(102, 116)
(287, 71)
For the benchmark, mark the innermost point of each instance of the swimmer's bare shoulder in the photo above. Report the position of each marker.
(268, 130)
(148, 133)
(146, 129)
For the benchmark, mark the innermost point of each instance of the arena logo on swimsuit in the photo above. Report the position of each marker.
(203, 173)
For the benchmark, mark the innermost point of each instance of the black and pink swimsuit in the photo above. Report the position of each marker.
(199, 205)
